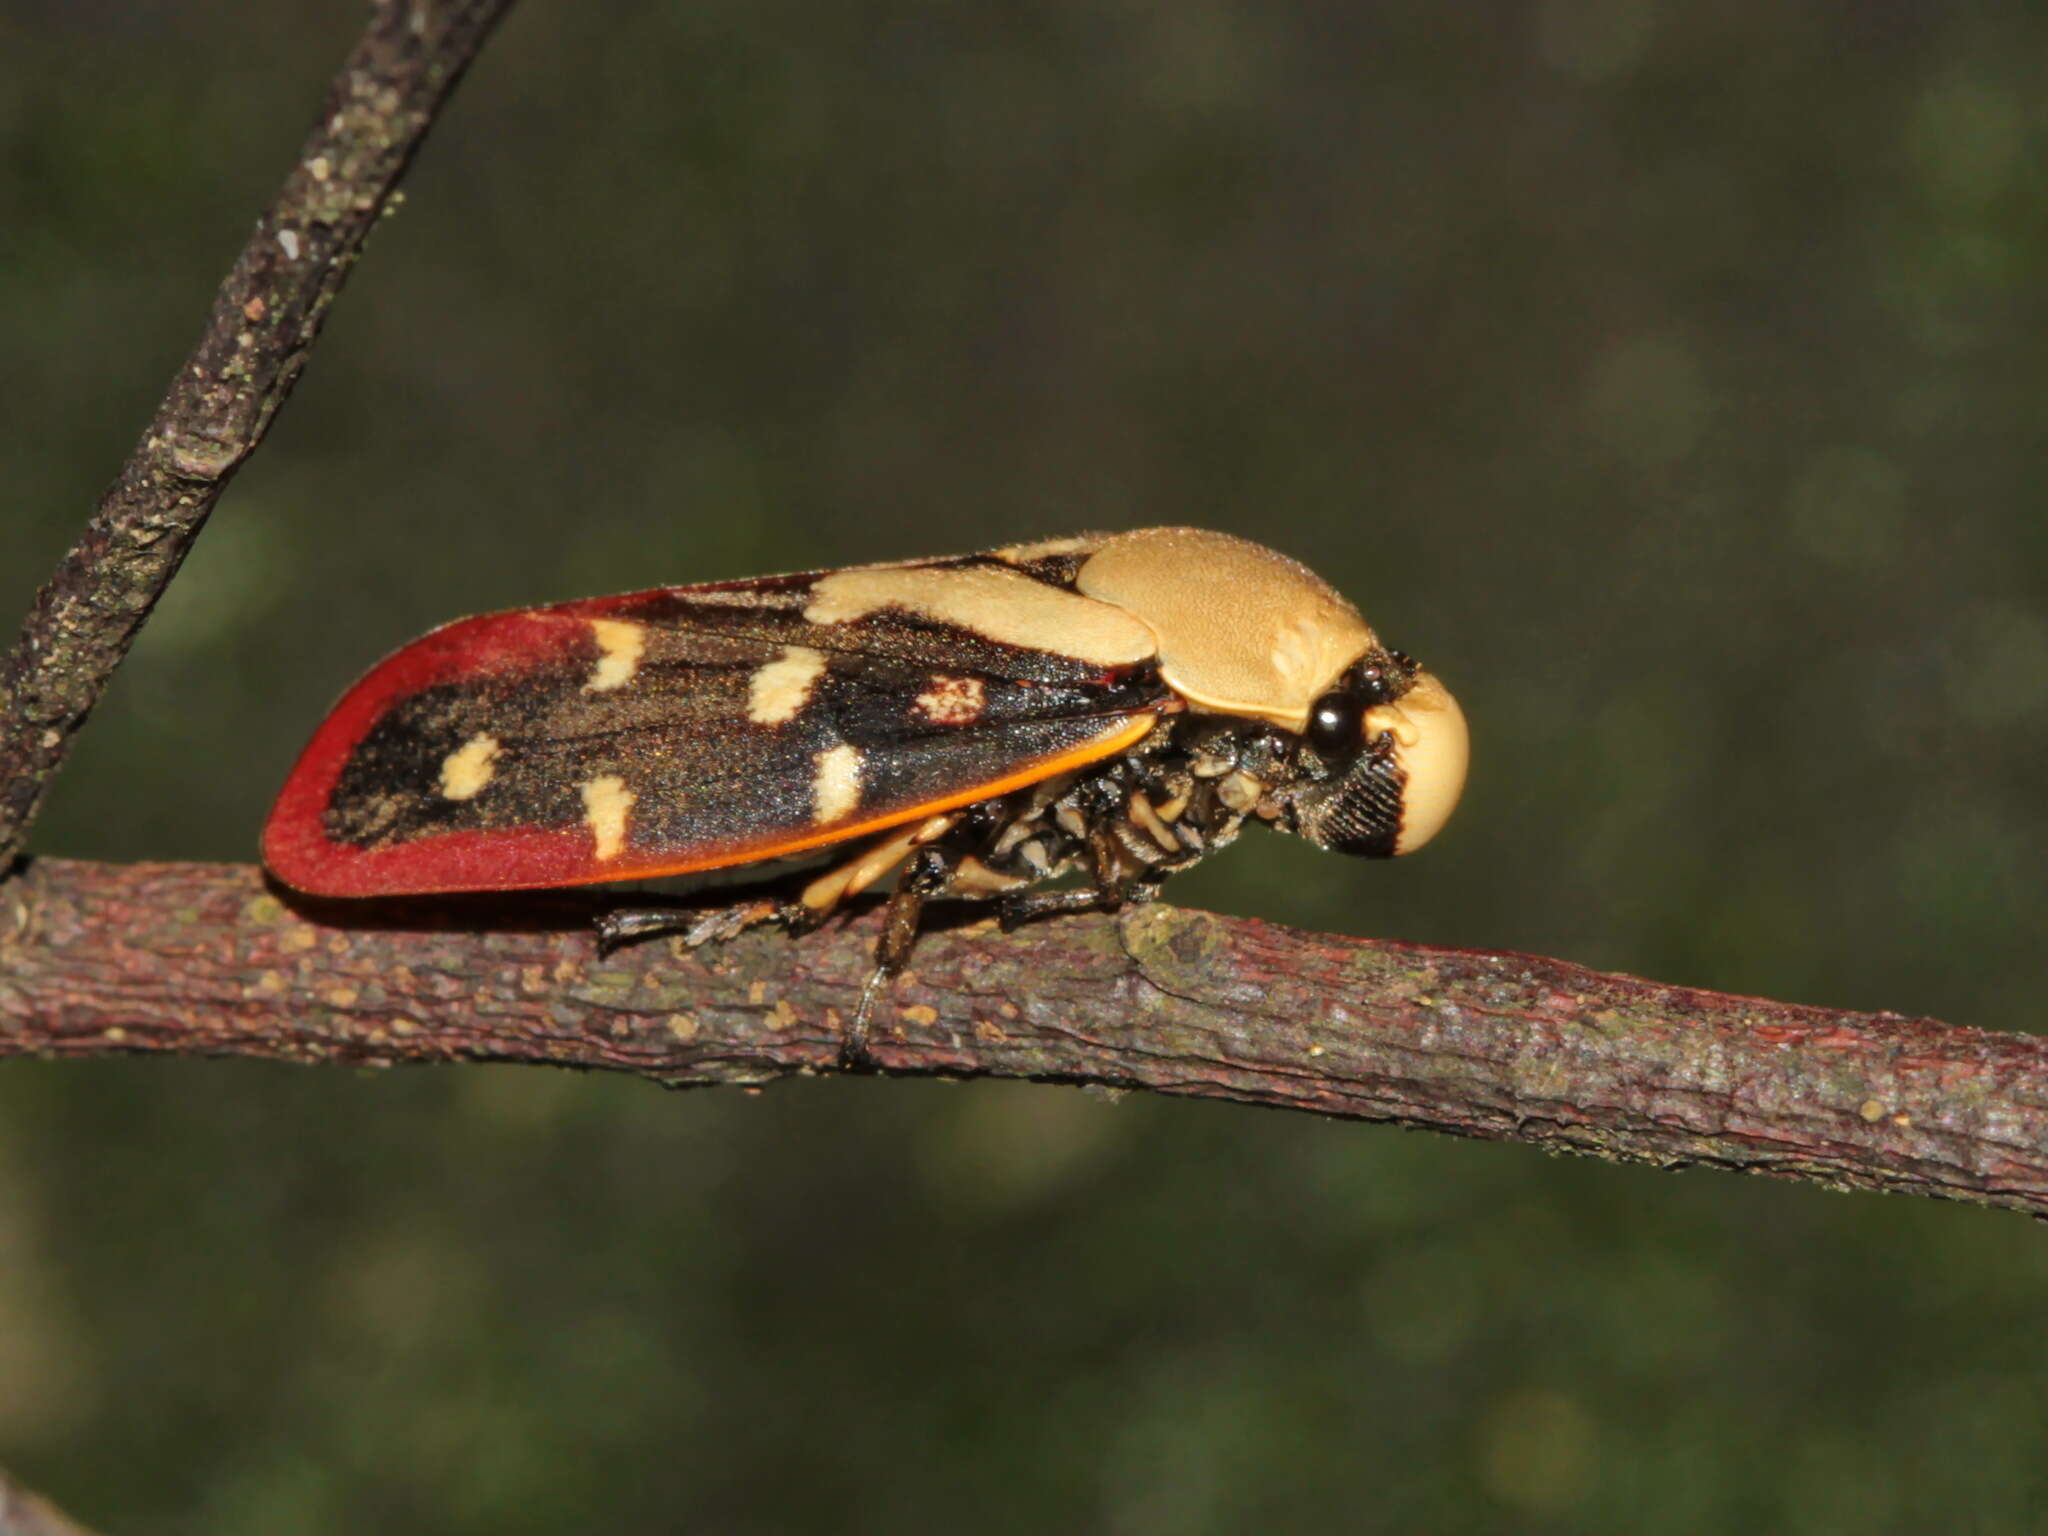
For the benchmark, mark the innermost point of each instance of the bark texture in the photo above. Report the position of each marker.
(204, 959)
(265, 320)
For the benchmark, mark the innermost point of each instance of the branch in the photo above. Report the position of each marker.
(204, 960)
(23, 1514)
(265, 320)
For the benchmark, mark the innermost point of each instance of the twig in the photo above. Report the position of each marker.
(265, 320)
(24, 1514)
(199, 959)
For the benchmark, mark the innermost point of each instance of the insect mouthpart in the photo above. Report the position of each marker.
(1403, 785)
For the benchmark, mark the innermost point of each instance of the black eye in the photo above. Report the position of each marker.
(1336, 724)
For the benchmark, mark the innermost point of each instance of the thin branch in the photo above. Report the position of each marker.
(265, 320)
(24, 1514)
(205, 960)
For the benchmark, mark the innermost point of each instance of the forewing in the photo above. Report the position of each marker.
(685, 729)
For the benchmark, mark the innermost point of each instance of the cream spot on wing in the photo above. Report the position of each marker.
(952, 700)
(782, 687)
(620, 645)
(835, 783)
(606, 800)
(1005, 606)
(466, 770)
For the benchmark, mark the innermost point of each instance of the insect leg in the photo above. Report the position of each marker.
(1013, 912)
(624, 925)
(928, 874)
(824, 894)
(817, 902)
(1111, 887)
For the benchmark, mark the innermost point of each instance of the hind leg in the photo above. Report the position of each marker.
(929, 873)
(714, 925)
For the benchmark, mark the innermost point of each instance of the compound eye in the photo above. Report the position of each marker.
(1336, 725)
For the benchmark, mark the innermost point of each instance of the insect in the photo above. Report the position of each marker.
(1114, 705)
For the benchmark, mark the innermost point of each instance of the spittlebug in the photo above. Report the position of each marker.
(1117, 705)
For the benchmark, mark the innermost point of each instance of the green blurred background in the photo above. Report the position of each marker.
(1670, 378)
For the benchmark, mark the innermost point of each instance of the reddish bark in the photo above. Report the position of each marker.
(198, 959)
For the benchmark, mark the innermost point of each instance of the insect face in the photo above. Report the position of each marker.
(1394, 747)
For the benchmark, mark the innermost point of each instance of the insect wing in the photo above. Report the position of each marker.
(686, 729)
